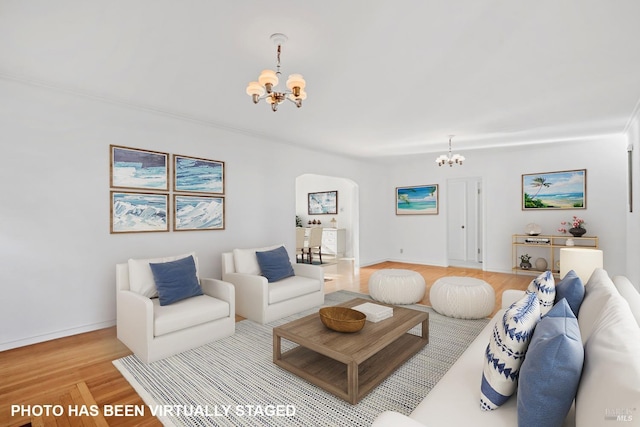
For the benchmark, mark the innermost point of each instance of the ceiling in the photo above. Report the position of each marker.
(383, 77)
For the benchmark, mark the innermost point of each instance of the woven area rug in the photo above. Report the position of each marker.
(233, 381)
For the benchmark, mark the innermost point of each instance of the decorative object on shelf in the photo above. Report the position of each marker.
(533, 229)
(417, 200)
(576, 224)
(449, 159)
(555, 190)
(541, 264)
(570, 242)
(333, 223)
(264, 87)
(342, 319)
(524, 262)
(298, 221)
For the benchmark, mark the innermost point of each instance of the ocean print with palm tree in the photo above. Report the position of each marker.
(555, 190)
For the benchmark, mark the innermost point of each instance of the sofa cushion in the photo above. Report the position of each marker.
(597, 291)
(275, 264)
(246, 262)
(292, 287)
(141, 279)
(630, 294)
(176, 280)
(609, 390)
(506, 351)
(571, 288)
(551, 371)
(544, 286)
(187, 313)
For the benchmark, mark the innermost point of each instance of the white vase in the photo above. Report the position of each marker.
(570, 242)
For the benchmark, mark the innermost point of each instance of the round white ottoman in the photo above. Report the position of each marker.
(396, 286)
(462, 297)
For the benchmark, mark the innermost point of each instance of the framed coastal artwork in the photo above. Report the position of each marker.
(555, 190)
(323, 203)
(138, 212)
(139, 169)
(417, 200)
(194, 175)
(198, 213)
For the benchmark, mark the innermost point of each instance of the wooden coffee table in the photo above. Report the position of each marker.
(350, 365)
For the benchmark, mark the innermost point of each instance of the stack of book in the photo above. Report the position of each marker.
(538, 240)
(375, 312)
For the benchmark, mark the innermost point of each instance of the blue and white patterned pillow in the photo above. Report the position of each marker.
(506, 350)
(545, 286)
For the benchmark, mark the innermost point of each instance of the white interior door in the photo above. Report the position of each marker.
(464, 222)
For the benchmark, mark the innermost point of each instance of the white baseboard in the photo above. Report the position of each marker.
(55, 335)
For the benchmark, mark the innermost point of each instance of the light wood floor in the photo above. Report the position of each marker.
(77, 370)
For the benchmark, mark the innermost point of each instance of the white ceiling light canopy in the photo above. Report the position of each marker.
(448, 158)
(264, 87)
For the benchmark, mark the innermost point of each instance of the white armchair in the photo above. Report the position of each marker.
(264, 302)
(152, 331)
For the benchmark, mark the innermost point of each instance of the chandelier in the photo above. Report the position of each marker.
(448, 158)
(264, 87)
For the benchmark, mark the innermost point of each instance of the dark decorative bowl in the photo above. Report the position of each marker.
(342, 319)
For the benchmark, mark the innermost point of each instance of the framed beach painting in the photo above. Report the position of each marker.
(138, 212)
(139, 169)
(194, 175)
(198, 213)
(417, 200)
(555, 190)
(323, 203)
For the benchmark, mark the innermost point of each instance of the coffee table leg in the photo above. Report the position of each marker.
(277, 351)
(352, 382)
(425, 330)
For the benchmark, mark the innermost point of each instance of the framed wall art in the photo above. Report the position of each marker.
(138, 212)
(198, 212)
(194, 175)
(555, 190)
(323, 203)
(139, 169)
(417, 200)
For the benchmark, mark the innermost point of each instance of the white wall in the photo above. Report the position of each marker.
(57, 257)
(423, 237)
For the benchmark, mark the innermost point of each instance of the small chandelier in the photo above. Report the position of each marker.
(264, 87)
(449, 159)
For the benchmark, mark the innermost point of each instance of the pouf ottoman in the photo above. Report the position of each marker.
(396, 286)
(462, 297)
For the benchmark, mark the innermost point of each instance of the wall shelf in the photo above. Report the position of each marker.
(547, 247)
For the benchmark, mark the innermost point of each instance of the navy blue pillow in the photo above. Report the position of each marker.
(551, 370)
(275, 264)
(572, 289)
(176, 280)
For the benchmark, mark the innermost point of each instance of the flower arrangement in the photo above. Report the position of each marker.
(525, 258)
(574, 223)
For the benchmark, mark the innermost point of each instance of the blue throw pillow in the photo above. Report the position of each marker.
(572, 289)
(551, 370)
(176, 280)
(506, 351)
(275, 264)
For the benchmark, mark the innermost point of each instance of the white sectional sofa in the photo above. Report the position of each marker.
(609, 388)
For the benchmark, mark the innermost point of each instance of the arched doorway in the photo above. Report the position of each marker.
(348, 215)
